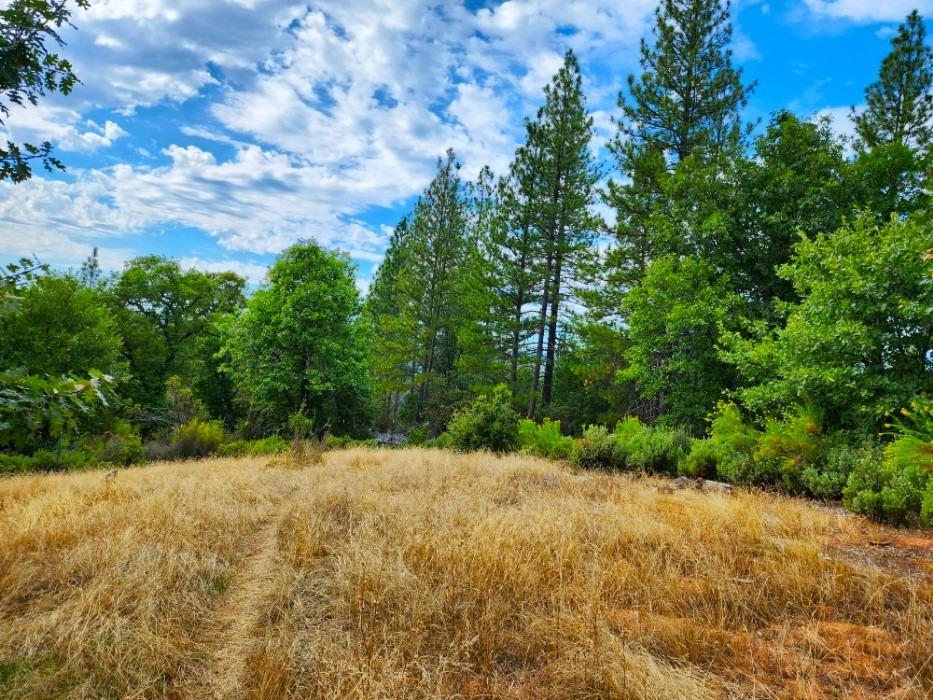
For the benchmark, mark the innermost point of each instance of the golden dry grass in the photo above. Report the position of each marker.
(423, 574)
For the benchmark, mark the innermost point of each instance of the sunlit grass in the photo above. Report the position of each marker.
(423, 574)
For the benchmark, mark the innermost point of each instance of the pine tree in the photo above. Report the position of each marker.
(392, 363)
(900, 104)
(514, 251)
(685, 104)
(568, 174)
(415, 309)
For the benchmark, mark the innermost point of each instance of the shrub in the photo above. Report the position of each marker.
(441, 442)
(734, 443)
(271, 445)
(597, 449)
(544, 440)
(880, 488)
(198, 438)
(417, 436)
(701, 460)
(787, 448)
(827, 480)
(489, 423)
(655, 450)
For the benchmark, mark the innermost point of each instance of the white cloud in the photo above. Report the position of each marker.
(330, 108)
(254, 273)
(867, 10)
(65, 127)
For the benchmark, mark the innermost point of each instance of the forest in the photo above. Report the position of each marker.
(717, 298)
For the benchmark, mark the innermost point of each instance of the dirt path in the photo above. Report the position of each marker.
(226, 633)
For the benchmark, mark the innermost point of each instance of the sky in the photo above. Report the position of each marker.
(219, 132)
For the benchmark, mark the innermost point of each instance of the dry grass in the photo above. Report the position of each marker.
(421, 574)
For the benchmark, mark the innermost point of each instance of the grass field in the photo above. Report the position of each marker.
(423, 574)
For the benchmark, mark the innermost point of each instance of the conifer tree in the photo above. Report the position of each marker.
(900, 104)
(567, 173)
(685, 104)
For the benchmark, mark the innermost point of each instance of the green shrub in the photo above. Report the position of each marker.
(826, 481)
(544, 440)
(880, 488)
(701, 460)
(734, 443)
(488, 423)
(441, 442)
(198, 438)
(416, 436)
(45, 460)
(786, 449)
(655, 450)
(628, 428)
(271, 445)
(597, 449)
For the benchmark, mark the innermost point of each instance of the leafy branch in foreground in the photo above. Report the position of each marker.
(29, 70)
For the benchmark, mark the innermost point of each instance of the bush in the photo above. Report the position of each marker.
(655, 450)
(734, 443)
(198, 438)
(596, 449)
(416, 436)
(787, 448)
(489, 423)
(271, 445)
(441, 442)
(701, 460)
(544, 440)
(878, 489)
(827, 480)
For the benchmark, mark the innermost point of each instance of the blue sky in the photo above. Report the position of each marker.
(219, 132)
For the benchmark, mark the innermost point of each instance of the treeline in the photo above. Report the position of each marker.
(778, 270)
(774, 279)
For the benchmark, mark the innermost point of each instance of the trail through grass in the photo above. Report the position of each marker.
(424, 574)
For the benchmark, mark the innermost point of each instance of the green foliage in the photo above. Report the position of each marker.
(60, 327)
(301, 345)
(701, 461)
(488, 423)
(444, 441)
(885, 490)
(544, 439)
(198, 438)
(40, 411)
(169, 320)
(632, 446)
(828, 480)
(656, 450)
(29, 70)
(674, 319)
(786, 448)
(858, 343)
(596, 449)
(274, 444)
(417, 436)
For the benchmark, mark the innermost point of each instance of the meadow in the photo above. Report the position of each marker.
(421, 573)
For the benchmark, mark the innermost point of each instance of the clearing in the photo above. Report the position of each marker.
(424, 574)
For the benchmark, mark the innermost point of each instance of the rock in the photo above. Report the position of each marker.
(716, 486)
(383, 439)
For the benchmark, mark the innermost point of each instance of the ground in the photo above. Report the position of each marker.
(423, 574)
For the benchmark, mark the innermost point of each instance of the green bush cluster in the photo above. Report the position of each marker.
(274, 444)
(488, 423)
(544, 439)
(632, 446)
(120, 446)
(198, 438)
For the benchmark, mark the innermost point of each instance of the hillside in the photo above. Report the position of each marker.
(424, 574)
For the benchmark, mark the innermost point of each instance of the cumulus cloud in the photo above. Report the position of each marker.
(313, 113)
